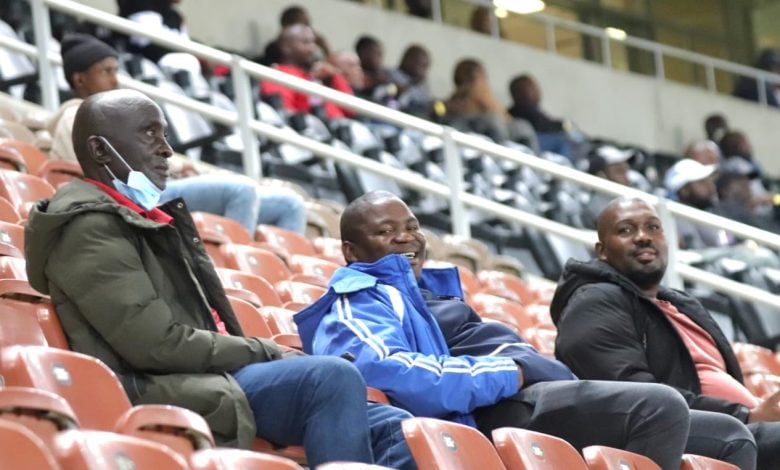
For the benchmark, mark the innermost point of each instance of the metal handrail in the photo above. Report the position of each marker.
(405, 177)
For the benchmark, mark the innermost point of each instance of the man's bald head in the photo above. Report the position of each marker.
(705, 152)
(352, 217)
(632, 241)
(121, 130)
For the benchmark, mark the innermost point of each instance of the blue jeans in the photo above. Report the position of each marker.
(320, 402)
(240, 199)
(555, 142)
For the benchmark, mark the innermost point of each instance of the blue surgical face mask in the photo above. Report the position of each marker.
(138, 188)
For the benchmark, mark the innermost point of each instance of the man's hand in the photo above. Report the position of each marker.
(519, 377)
(288, 352)
(767, 410)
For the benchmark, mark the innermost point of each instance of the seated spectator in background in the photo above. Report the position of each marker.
(693, 184)
(737, 144)
(715, 126)
(735, 195)
(613, 164)
(747, 87)
(295, 14)
(413, 337)
(410, 77)
(420, 8)
(481, 20)
(617, 322)
(527, 97)
(379, 86)
(134, 287)
(90, 67)
(298, 58)
(705, 152)
(348, 65)
(473, 107)
(160, 16)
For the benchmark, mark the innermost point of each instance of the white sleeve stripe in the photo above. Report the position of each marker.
(349, 324)
(510, 345)
(368, 334)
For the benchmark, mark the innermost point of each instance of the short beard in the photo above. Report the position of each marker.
(646, 279)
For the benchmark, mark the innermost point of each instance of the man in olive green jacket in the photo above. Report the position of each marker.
(134, 287)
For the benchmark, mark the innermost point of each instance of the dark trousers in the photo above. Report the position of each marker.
(648, 419)
(767, 437)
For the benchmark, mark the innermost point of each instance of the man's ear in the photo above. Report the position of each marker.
(348, 250)
(599, 247)
(98, 150)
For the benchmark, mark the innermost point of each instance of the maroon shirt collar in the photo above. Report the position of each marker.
(155, 215)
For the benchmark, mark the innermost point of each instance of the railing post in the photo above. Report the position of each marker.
(46, 79)
(672, 279)
(761, 84)
(606, 52)
(549, 29)
(658, 56)
(454, 168)
(438, 16)
(245, 108)
(709, 70)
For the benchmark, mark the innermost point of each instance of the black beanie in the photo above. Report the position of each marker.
(81, 51)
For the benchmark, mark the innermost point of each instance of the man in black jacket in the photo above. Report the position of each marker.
(616, 322)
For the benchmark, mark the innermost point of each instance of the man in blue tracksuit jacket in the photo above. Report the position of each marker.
(410, 335)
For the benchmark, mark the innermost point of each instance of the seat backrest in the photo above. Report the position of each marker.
(299, 292)
(33, 157)
(510, 282)
(259, 261)
(99, 450)
(264, 290)
(280, 320)
(19, 295)
(443, 445)
(180, 429)
(21, 448)
(350, 466)
(494, 306)
(543, 339)
(215, 226)
(59, 172)
(42, 412)
(71, 375)
(252, 322)
(12, 234)
(11, 159)
(521, 449)
(288, 240)
(23, 190)
(756, 359)
(303, 264)
(8, 212)
(698, 462)
(13, 268)
(330, 249)
(229, 459)
(19, 327)
(609, 458)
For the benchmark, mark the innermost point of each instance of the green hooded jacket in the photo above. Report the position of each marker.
(137, 294)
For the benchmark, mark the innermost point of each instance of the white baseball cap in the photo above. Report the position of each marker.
(686, 171)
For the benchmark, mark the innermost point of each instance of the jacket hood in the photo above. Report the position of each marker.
(392, 269)
(48, 217)
(579, 273)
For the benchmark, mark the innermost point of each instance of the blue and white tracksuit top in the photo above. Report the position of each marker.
(376, 314)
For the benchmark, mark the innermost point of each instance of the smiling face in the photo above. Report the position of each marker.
(385, 226)
(631, 240)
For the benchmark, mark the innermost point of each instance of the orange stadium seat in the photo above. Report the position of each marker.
(12, 234)
(19, 295)
(185, 431)
(252, 322)
(303, 264)
(44, 413)
(756, 359)
(521, 449)
(11, 158)
(99, 450)
(351, 466)
(33, 157)
(542, 338)
(262, 292)
(284, 329)
(287, 240)
(23, 190)
(500, 281)
(330, 249)
(59, 172)
(216, 227)
(259, 261)
(443, 445)
(229, 459)
(19, 327)
(762, 385)
(8, 212)
(698, 462)
(608, 458)
(20, 448)
(502, 309)
(299, 292)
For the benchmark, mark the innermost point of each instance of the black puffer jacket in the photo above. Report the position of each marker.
(609, 330)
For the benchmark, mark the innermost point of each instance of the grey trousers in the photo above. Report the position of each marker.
(648, 419)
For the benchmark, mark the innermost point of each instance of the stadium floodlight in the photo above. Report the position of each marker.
(616, 33)
(522, 7)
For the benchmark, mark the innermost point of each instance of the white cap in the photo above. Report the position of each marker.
(612, 154)
(686, 171)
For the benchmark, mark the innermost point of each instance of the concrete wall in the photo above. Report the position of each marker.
(626, 107)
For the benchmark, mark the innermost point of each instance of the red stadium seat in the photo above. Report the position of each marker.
(230, 459)
(44, 413)
(521, 449)
(251, 321)
(99, 450)
(11, 237)
(350, 466)
(23, 190)
(19, 327)
(260, 291)
(20, 448)
(312, 265)
(214, 228)
(287, 240)
(443, 445)
(184, 431)
(255, 260)
(33, 156)
(697, 462)
(8, 212)
(608, 458)
(511, 286)
(542, 338)
(17, 294)
(300, 292)
(59, 172)
(330, 249)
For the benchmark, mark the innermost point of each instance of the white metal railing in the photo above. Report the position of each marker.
(241, 69)
(659, 51)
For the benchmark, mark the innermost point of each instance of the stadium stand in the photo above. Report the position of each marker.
(268, 269)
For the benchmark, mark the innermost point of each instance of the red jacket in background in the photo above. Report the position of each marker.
(300, 102)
